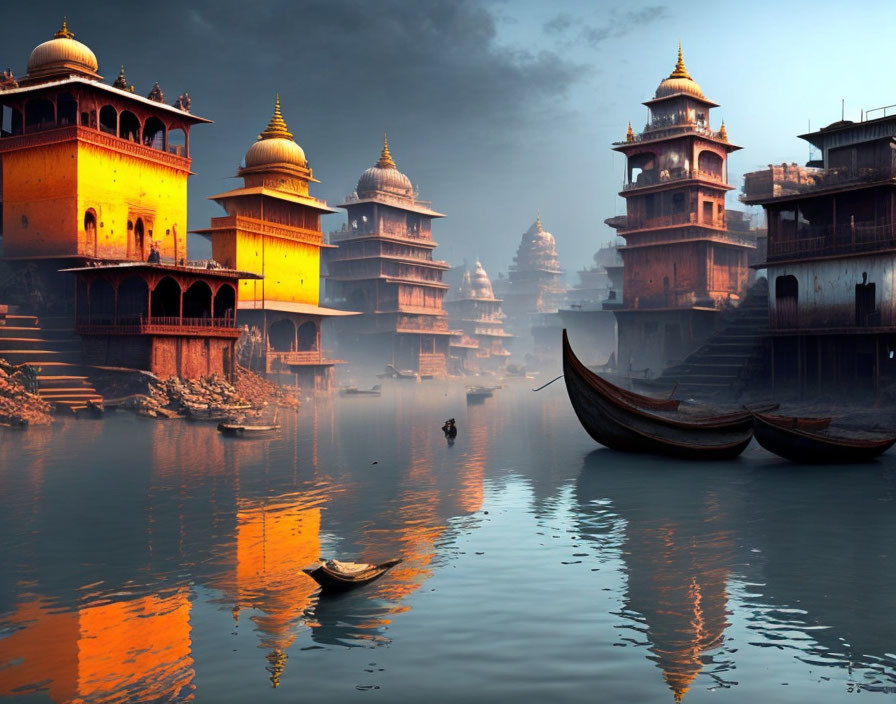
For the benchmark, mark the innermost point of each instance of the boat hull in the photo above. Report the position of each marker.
(333, 581)
(612, 421)
(806, 447)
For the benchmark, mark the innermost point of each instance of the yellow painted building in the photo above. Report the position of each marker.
(89, 170)
(272, 229)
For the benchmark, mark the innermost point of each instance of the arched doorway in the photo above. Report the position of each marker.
(129, 126)
(90, 232)
(198, 301)
(307, 337)
(282, 336)
(225, 302)
(139, 254)
(166, 299)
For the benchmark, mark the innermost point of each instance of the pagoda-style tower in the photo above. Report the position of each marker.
(476, 314)
(384, 268)
(681, 264)
(272, 228)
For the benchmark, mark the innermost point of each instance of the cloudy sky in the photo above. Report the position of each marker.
(495, 109)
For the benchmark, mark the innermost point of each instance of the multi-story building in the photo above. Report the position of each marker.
(272, 229)
(476, 315)
(384, 268)
(681, 262)
(94, 173)
(831, 259)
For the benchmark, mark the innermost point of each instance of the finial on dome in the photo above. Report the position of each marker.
(64, 32)
(386, 161)
(538, 225)
(277, 126)
(680, 70)
(723, 133)
(121, 81)
(630, 134)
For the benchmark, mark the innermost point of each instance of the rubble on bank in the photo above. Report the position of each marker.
(210, 398)
(18, 406)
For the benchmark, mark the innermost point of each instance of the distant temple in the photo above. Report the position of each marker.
(831, 260)
(96, 174)
(535, 288)
(682, 265)
(476, 315)
(272, 228)
(384, 268)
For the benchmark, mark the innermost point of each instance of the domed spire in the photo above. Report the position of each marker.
(630, 134)
(386, 161)
(121, 81)
(538, 225)
(277, 126)
(64, 32)
(680, 70)
(723, 133)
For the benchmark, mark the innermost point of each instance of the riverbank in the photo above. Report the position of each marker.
(18, 406)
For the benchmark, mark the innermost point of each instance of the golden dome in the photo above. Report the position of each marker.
(679, 81)
(385, 177)
(275, 145)
(62, 55)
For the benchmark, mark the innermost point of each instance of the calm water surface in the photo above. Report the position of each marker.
(145, 561)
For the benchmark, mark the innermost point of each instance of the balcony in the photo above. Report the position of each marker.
(298, 358)
(649, 180)
(265, 227)
(787, 181)
(190, 327)
(824, 241)
(673, 129)
(422, 324)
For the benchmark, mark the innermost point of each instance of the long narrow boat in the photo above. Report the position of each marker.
(334, 576)
(246, 430)
(614, 419)
(808, 441)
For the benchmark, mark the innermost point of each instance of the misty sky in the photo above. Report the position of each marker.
(494, 109)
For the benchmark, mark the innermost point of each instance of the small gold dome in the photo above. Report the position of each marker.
(385, 177)
(62, 55)
(679, 81)
(275, 145)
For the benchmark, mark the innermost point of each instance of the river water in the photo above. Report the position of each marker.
(147, 561)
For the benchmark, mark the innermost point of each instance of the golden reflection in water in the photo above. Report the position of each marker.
(470, 492)
(678, 582)
(275, 539)
(136, 649)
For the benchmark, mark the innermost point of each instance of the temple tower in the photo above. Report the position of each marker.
(476, 314)
(681, 264)
(272, 229)
(384, 268)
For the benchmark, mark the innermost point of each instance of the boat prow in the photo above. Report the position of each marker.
(808, 441)
(335, 576)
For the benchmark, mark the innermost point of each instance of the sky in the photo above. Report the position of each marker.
(498, 110)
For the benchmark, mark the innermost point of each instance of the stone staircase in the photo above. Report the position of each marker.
(53, 349)
(731, 357)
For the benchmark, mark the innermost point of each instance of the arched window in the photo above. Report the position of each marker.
(39, 114)
(133, 299)
(90, 232)
(282, 336)
(129, 126)
(307, 337)
(154, 133)
(642, 169)
(198, 301)
(139, 253)
(786, 301)
(66, 110)
(177, 141)
(108, 120)
(225, 302)
(710, 164)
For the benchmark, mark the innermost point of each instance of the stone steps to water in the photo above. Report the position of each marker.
(52, 347)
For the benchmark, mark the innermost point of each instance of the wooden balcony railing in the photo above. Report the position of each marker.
(824, 240)
(158, 325)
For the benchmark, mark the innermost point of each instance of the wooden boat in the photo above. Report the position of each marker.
(808, 441)
(393, 373)
(334, 576)
(245, 429)
(355, 391)
(480, 393)
(621, 420)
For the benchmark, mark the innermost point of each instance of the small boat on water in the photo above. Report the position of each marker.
(810, 441)
(630, 422)
(480, 393)
(335, 576)
(246, 430)
(393, 373)
(355, 391)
